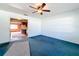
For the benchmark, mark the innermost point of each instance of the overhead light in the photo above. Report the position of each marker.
(39, 11)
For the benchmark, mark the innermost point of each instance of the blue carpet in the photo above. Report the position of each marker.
(3, 48)
(45, 46)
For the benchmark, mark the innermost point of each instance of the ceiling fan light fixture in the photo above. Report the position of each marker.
(39, 11)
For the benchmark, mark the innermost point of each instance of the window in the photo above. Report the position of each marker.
(14, 28)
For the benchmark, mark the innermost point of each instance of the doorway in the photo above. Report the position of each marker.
(18, 29)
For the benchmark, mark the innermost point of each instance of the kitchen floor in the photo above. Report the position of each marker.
(19, 48)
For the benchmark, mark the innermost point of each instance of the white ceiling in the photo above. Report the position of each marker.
(54, 7)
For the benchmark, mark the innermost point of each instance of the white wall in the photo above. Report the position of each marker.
(4, 27)
(64, 26)
(34, 25)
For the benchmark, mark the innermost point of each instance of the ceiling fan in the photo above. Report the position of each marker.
(40, 8)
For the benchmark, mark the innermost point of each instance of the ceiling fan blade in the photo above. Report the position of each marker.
(46, 10)
(32, 7)
(43, 5)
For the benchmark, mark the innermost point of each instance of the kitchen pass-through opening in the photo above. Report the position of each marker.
(18, 29)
